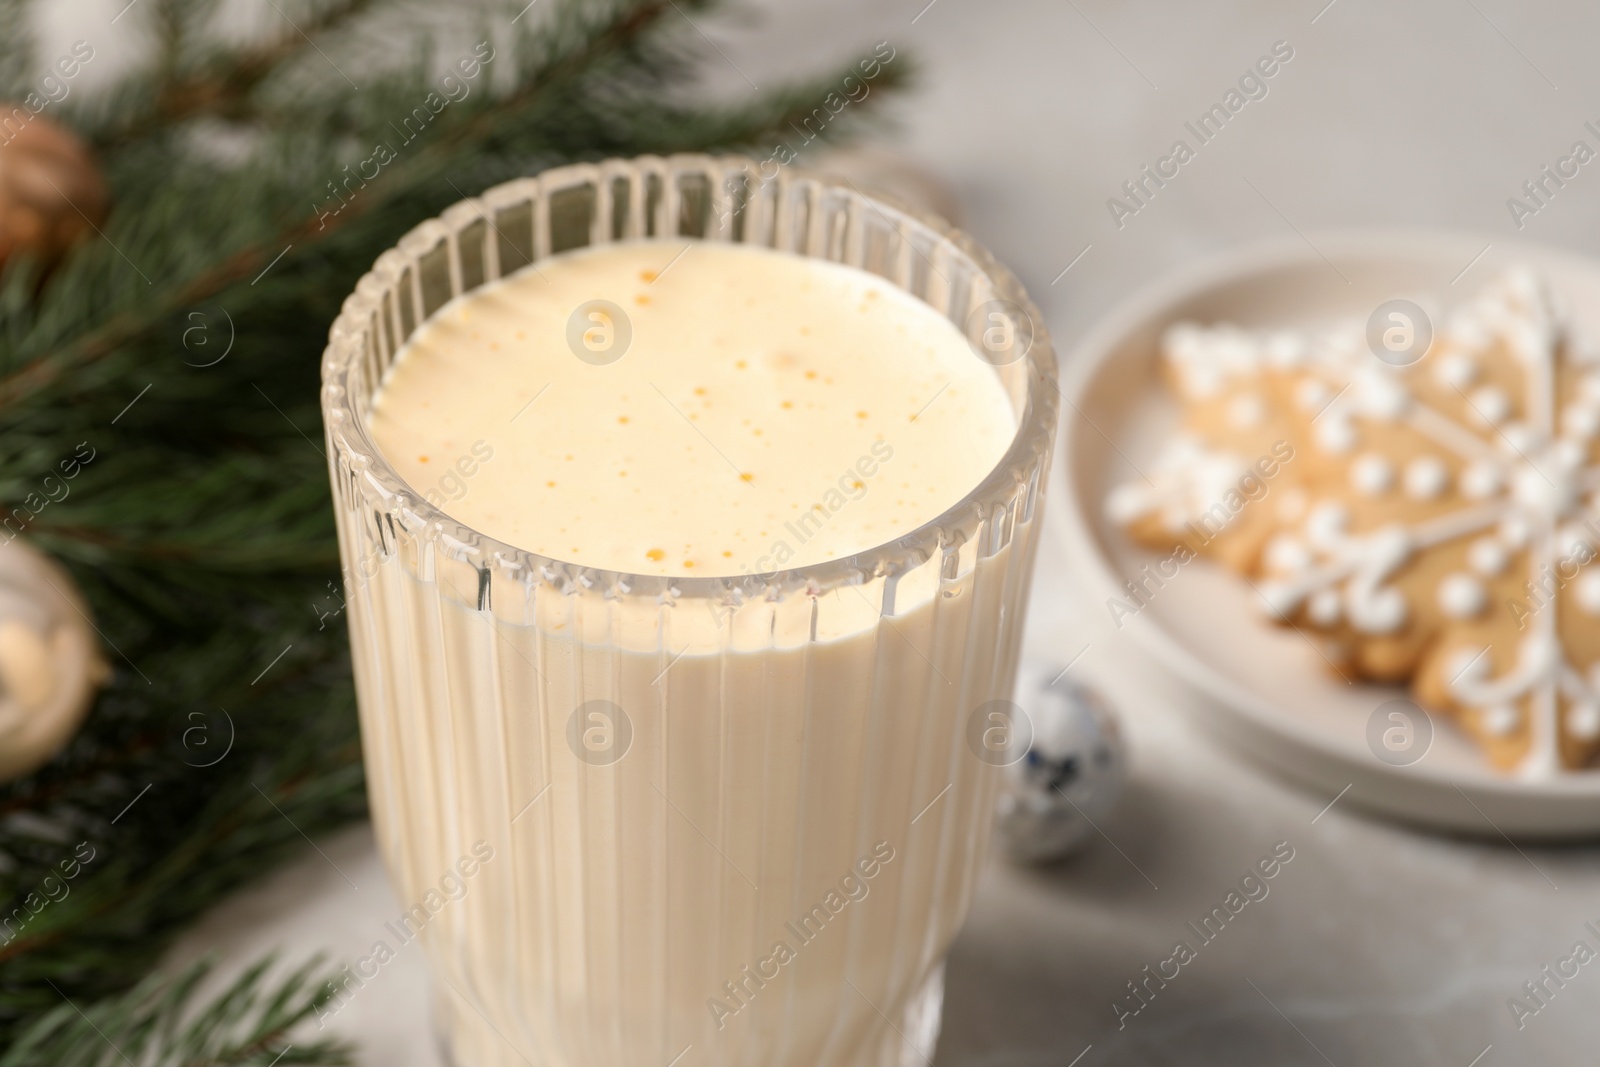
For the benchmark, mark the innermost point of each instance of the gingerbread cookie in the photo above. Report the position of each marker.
(1445, 516)
(1236, 442)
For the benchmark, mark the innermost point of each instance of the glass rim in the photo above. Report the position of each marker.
(1020, 468)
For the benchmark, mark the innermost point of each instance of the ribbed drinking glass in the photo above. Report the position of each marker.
(641, 821)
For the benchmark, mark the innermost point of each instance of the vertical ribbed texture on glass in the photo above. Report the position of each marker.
(641, 821)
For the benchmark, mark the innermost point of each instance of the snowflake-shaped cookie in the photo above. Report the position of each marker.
(1438, 521)
(1451, 523)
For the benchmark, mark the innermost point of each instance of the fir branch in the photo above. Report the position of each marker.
(157, 1023)
(220, 81)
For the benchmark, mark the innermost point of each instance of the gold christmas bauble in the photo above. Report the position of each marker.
(52, 194)
(50, 664)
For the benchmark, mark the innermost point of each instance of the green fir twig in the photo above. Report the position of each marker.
(255, 1021)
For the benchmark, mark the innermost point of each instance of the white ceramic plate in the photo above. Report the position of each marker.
(1264, 688)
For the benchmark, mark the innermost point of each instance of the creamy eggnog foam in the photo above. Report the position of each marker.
(728, 409)
(730, 839)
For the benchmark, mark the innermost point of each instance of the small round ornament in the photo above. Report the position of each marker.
(50, 663)
(1071, 774)
(52, 194)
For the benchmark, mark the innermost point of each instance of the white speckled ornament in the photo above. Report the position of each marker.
(1072, 773)
(50, 663)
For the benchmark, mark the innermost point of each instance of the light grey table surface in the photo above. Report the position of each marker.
(1377, 945)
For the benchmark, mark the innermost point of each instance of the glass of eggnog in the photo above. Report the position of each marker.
(687, 508)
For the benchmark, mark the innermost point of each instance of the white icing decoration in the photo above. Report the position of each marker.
(1515, 531)
(1286, 349)
(1203, 383)
(1382, 611)
(1519, 439)
(1380, 396)
(1426, 478)
(1499, 720)
(1324, 608)
(1574, 542)
(1526, 340)
(1237, 349)
(1462, 596)
(1482, 479)
(1547, 486)
(1188, 351)
(1337, 343)
(1581, 421)
(1281, 599)
(1327, 524)
(1539, 674)
(1311, 395)
(1207, 360)
(1488, 557)
(1246, 411)
(1285, 553)
(1335, 434)
(1588, 592)
(1372, 474)
(1521, 284)
(1583, 720)
(1373, 607)
(1457, 370)
(1182, 339)
(1186, 483)
(1490, 403)
(1533, 490)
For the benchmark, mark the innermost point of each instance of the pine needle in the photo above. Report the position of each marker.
(253, 1022)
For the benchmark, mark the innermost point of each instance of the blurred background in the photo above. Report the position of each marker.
(1378, 944)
